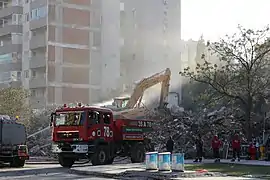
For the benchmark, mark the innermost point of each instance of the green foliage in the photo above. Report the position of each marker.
(13, 102)
(242, 72)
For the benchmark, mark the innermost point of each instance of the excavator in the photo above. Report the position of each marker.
(130, 107)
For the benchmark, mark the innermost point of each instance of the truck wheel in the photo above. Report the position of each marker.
(110, 161)
(138, 153)
(101, 156)
(17, 163)
(65, 162)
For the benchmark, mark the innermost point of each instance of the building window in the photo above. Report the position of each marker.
(33, 53)
(5, 58)
(42, 12)
(26, 74)
(33, 92)
(17, 18)
(26, 17)
(34, 14)
(19, 75)
(3, 4)
(96, 39)
(34, 74)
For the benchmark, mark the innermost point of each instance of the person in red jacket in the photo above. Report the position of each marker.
(236, 146)
(216, 144)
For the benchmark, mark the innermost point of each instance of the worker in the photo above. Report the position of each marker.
(216, 145)
(170, 145)
(252, 151)
(199, 149)
(236, 146)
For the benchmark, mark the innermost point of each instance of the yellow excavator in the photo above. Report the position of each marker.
(130, 107)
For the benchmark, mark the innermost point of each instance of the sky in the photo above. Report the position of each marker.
(216, 18)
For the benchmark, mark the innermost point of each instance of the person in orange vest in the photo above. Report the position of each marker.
(216, 145)
(236, 146)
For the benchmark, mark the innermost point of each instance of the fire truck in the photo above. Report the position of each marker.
(96, 133)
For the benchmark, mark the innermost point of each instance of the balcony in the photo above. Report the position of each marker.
(11, 66)
(37, 61)
(38, 41)
(9, 48)
(14, 84)
(37, 82)
(10, 28)
(38, 23)
(9, 10)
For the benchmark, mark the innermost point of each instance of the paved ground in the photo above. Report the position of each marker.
(52, 171)
(42, 172)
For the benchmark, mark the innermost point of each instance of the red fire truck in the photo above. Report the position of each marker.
(95, 133)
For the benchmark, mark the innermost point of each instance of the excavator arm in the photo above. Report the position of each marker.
(161, 77)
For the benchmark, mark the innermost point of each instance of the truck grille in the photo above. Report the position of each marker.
(68, 135)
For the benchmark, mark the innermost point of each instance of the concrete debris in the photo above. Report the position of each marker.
(184, 126)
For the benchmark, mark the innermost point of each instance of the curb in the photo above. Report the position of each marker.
(146, 174)
(40, 162)
(95, 174)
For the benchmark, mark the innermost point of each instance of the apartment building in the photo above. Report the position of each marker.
(69, 52)
(150, 38)
(10, 43)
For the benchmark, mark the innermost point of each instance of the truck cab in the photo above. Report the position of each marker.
(90, 132)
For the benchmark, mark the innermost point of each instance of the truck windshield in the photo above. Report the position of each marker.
(70, 119)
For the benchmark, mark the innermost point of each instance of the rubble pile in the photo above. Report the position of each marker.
(185, 126)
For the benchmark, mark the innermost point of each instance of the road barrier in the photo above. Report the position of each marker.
(164, 161)
(151, 161)
(178, 162)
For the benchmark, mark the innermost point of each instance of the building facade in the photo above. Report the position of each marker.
(10, 43)
(150, 37)
(68, 50)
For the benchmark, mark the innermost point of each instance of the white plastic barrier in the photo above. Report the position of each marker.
(178, 162)
(151, 160)
(164, 160)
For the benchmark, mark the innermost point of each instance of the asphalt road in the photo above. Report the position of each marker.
(41, 172)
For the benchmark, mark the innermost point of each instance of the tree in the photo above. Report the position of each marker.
(13, 102)
(241, 75)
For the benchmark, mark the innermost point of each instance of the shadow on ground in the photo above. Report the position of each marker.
(27, 170)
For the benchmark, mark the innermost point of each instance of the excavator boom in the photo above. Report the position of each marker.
(132, 108)
(162, 77)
